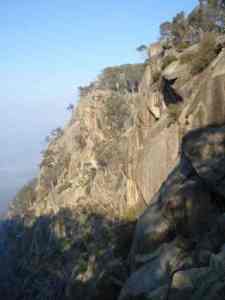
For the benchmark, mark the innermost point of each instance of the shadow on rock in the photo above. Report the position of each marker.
(63, 256)
(178, 248)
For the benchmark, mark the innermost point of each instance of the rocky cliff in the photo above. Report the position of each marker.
(121, 144)
(145, 142)
(178, 247)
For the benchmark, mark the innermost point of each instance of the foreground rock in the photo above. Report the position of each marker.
(205, 149)
(179, 246)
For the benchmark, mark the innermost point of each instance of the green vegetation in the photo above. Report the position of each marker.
(124, 78)
(117, 118)
(86, 177)
(168, 60)
(205, 54)
(69, 254)
(54, 164)
(70, 107)
(174, 111)
(182, 46)
(106, 153)
(186, 58)
(200, 59)
(80, 134)
(84, 90)
(184, 31)
(64, 186)
(143, 49)
(156, 76)
(25, 197)
(80, 141)
(46, 257)
(54, 135)
(179, 28)
(48, 158)
(131, 214)
(117, 113)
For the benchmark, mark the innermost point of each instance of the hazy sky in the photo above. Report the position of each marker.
(48, 48)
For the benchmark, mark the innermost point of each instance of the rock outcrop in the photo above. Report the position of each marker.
(178, 248)
(122, 144)
(146, 142)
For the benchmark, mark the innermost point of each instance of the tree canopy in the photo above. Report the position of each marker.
(208, 16)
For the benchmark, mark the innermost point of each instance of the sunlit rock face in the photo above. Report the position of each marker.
(122, 143)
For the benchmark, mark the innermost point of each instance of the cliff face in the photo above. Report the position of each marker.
(178, 249)
(120, 146)
(123, 140)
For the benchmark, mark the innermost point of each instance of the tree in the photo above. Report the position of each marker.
(179, 18)
(116, 78)
(55, 134)
(70, 107)
(179, 28)
(203, 3)
(143, 49)
(205, 54)
(209, 16)
(25, 197)
(165, 30)
(216, 12)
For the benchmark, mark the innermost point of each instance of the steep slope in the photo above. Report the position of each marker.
(178, 249)
(70, 232)
(115, 143)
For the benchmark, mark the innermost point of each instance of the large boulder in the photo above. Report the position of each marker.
(178, 238)
(182, 207)
(166, 235)
(204, 283)
(205, 149)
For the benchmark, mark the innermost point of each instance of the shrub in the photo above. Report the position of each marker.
(205, 54)
(48, 158)
(80, 141)
(120, 78)
(156, 76)
(51, 255)
(168, 60)
(106, 153)
(131, 214)
(186, 58)
(25, 197)
(174, 111)
(203, 57)
(64, 186)
(83, 265)
(54, 164)
(70, 107)
(117, 113)
(182, 45)
(81, 134)
(85, 90)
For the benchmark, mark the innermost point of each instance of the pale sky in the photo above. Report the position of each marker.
(48, 48)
